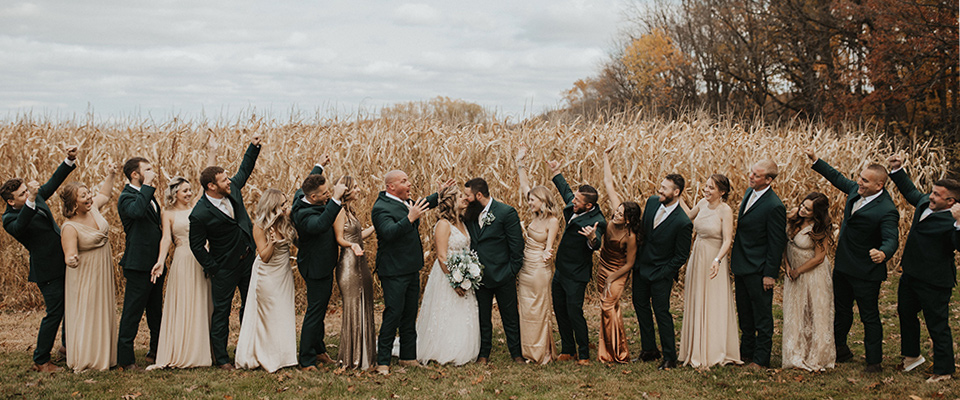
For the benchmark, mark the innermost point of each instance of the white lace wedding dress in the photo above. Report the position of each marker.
(448, 326)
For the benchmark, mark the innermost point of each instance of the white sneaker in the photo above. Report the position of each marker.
(911, 365)
(938, 378)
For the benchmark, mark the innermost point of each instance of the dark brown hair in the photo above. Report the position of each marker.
(822, 231)
(10, 186)
(723, 185)
(209, 175)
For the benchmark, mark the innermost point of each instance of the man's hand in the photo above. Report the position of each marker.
(32, 188)
(811, 154)
(339, 190)
(416, 210)
(877, 256)
(445, 184)
(212, 144)
(521, 153)
(256, 140)
(768, 283)
(554, 166)
(324, 160)
(955, 211)
(148, 177)
(895, 162)
(590, 231)
(71, 152)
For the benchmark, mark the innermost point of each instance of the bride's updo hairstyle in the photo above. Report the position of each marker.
(270, 214)
(447, 203)
(170, 197)
(548, 207)
(68, 198)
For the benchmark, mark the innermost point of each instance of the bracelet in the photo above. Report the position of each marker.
(717, 259)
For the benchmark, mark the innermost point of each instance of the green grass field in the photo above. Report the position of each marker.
(501, 379)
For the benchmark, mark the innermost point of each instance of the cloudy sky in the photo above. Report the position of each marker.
(220, 57)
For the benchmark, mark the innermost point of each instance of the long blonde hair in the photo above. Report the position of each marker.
(270, 214)
(170, 196)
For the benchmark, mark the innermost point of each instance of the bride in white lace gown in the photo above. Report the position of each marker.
(448, 327)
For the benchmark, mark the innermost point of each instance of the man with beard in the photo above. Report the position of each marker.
(665, 249)
(495, 235)
(755, 260)
(220, 221)
(869, 235)
(396, 219)
(574, 265)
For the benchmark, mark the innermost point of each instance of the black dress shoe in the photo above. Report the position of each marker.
(667, 364)
(873, 369)
(649, 355)
(844, 355)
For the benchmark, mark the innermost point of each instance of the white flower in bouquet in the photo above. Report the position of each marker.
(466, 284)
(473, 269)
(456, 275)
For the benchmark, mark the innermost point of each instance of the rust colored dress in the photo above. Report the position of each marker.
(613, 339)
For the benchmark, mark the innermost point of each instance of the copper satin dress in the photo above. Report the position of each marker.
(357, 335)
(535, 301)
(613, 338)
(90, 304)
(708, 335)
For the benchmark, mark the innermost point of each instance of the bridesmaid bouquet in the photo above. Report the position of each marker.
(465, 269)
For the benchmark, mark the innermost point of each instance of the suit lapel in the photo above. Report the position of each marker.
(746, 199)
(212, 209)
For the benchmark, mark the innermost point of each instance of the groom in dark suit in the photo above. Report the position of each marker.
(929, 273)
(313, 212)
(29, 220)
(869, 235)
(495, 235)
(396, 220)
(666, 247)
(755, 260)
(574, 264)
(220, 220)
(140, 214)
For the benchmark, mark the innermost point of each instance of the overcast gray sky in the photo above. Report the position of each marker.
(220, 57)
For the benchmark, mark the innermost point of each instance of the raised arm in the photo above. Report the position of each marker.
(166, 239)
(902, 180)
(608, 181)
(106, 187)
(249, 161)
(522, 171)
(67, 166)
(836, 178)
(562, 187)
(213, 149)
(137, 206)
(16, 224)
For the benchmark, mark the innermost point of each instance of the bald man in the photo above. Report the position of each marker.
(755, 260)
(869, 235)
(396, 220)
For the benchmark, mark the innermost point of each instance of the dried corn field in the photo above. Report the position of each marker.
(430, 150)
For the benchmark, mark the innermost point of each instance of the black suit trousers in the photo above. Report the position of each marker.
(223, 285)
(914, 296)
(52, 292)
(568, 308)
(312, 331)
(506, 295)
(401, 295)
(139, 294)
(755, 312)
(657, 294)
(846, 290)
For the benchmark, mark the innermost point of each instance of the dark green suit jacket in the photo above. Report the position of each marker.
(574, 259)
(318, 249)
(141, 223)
(928, 254)
(228, 238)
(761, 236)
(874, 226)
(665, 248)
(499, 245)
(36, 229)
(399, 251)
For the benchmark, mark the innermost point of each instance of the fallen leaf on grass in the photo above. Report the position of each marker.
(798, 378)
(89, 381)
(227, 397)
(351, 388)
(463, 392)
(478, 380)
(131, 396)
(191, 388)
(851, 380)
(626, 372)
(915, 397)
(283, 389)
(874, 385)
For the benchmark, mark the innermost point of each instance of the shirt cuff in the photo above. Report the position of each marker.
(69, 162)
(895, 171)
(956, 225)
(33, 205)
(320, 166)
(335, 201)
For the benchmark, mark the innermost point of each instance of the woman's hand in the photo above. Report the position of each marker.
(156, 271)
(793, 273)
(73, 261)
(547, 255)
(714, 269)
(357, 250)
(460, 291)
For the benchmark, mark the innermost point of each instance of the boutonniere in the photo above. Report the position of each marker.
(487, 219)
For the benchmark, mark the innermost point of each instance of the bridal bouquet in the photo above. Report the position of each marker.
(465, 269)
